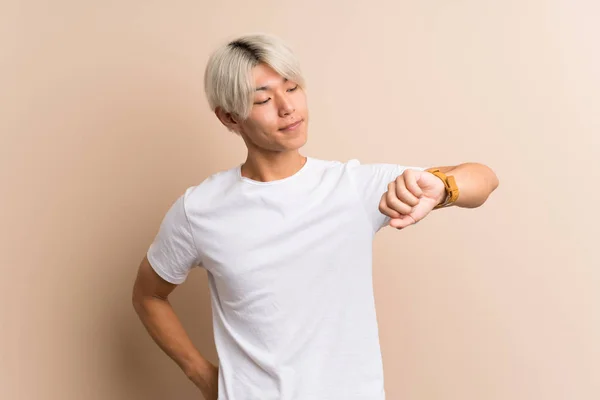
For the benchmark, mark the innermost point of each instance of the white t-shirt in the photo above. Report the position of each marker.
(289, 269)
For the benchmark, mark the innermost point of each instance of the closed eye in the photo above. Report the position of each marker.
(267, 100)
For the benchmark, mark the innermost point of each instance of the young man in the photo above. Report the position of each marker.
(287, 244)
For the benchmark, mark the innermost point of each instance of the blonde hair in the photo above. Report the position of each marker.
(228, 81)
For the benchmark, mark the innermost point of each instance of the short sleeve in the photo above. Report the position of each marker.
(371, 182)
(173, 252)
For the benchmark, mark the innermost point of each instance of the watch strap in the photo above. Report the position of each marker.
(452, 191)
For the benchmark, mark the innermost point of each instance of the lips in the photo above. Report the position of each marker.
(291, 126)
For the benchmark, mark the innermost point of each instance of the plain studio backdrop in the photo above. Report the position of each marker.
(104, 123)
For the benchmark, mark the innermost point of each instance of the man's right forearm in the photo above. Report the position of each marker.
(166, 330)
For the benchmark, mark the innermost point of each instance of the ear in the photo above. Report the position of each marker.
(230, 121)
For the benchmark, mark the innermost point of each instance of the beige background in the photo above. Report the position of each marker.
(103, 124)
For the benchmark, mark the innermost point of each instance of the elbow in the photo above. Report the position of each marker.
(495, 182)
(489, 184)
(492, 180)
(137, 301)
(143, 303)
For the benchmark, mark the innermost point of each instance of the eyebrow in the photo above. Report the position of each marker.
(267, 87)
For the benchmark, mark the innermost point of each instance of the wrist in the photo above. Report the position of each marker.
(443, 197)
(450, 190)
(200, 371)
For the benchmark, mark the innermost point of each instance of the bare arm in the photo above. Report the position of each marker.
(475, 181)
(150, 300)
(414, 194)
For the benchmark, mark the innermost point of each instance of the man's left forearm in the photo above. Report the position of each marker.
(475, 183)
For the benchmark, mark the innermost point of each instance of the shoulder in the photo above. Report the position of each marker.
(209, 190)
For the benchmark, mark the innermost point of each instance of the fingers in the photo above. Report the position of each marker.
(406, 191)
(394, 202)
(397, 202)
(387, 210)
(402, 222)
(410, 178)
(401, 200)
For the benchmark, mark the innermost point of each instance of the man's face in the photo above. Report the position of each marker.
(279, 117)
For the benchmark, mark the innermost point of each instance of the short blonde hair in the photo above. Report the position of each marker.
(228, 79)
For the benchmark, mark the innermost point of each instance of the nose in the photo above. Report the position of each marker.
(286, 107)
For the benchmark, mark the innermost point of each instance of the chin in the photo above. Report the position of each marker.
(297, 142)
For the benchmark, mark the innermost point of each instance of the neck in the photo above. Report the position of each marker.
(272, 166)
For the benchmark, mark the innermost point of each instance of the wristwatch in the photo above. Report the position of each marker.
(452, 191)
